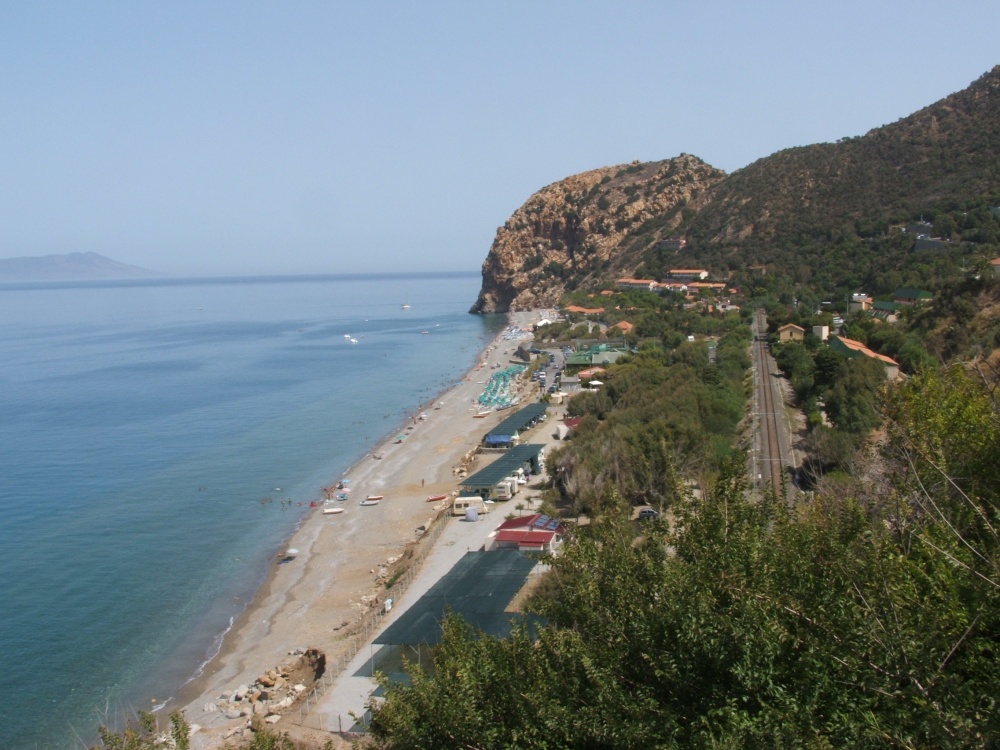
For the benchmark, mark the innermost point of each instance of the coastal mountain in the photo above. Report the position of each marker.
(67, 267)
(613, 221)
(942, 155)
(579, 225)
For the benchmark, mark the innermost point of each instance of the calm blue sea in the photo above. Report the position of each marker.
(141, 424)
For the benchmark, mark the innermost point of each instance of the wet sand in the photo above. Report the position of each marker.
(314, 600)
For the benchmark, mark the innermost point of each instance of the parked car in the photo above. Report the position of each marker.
(648, 513)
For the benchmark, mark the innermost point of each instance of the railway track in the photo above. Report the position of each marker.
(770, 466)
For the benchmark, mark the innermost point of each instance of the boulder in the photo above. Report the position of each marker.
(265, 680)
(299, 688)
(210, 708)
(273, 719)
(240, 693)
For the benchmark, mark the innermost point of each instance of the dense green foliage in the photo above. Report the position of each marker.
(830, 195)
(867, 615)
(816, 223)
(870, 620)
(659, 414)
(141, 734)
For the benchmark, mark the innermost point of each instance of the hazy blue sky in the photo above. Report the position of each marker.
(296, 137)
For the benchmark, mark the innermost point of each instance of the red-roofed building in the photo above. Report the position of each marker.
(672, 286)
(534, 533)
(853, 349)
(646, 285)
(590, 372)
(688, 273)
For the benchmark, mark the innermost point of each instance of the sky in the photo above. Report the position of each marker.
(246, 137)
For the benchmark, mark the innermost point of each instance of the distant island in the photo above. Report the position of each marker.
(67, 267)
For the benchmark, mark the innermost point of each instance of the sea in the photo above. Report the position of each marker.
(161, 439)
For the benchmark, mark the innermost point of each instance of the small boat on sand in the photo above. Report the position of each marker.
(436, 498)
(481, 415)
(332, 511)
(372, 500)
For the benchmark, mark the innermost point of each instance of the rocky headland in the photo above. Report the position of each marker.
(583, 225)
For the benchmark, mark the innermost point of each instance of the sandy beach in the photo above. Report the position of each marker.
(315, 599)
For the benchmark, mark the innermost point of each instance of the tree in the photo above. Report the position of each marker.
(141, 734)
(851, 401)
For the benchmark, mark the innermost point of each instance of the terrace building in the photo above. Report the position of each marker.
(689, 274)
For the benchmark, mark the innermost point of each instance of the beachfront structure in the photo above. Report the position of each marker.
(508, 432)
(491, 481)
(533, 533)
(479, 589)
(854, 349)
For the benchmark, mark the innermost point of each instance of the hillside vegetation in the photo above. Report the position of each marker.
(820, 217)
(866, 613)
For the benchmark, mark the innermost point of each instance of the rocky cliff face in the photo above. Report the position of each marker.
(582, 225)
(598, 225)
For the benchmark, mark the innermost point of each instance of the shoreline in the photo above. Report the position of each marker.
(315, 600)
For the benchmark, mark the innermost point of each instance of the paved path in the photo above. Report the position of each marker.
(349, 693)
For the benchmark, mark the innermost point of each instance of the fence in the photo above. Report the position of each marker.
(365, 630)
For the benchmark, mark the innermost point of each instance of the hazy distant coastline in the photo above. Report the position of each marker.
(69, 266)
